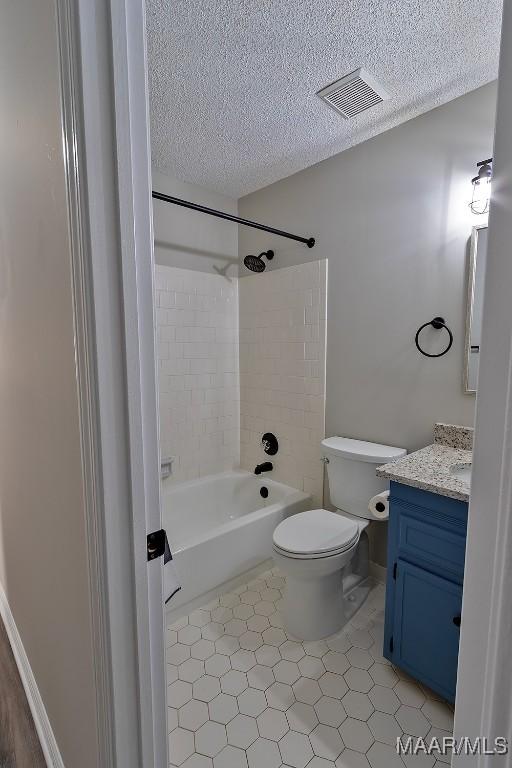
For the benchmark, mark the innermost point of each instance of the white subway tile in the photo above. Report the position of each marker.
(179, 317)
(203, 365)
(315, 403)
(283, 392)
(198, 349)
(175, 350)
(159, 280)
(211, 425)
(176, 383)
(198, 310)
(244, 370)
(182, 300)
(293, 350)
(312, 350)
(161, 316)
(195, 334)
(162, 350)
(167, 299)
(312, 315)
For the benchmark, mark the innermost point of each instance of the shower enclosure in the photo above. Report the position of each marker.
(239, 355)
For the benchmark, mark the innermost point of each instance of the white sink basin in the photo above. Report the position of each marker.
(462, 472)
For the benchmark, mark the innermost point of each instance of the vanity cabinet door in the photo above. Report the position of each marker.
(426, 627)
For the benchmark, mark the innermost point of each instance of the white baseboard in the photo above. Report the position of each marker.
(378, 572)
(42, 724)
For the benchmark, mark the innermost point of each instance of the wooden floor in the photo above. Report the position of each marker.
(19, 745)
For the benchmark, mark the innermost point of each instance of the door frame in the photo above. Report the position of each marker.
(106, 148)
(107, 52)
(483, 705)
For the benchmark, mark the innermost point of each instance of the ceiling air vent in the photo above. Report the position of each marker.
(353, 94)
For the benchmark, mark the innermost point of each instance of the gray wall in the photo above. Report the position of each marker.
(191, 240)
(391, 216)
(43, 557)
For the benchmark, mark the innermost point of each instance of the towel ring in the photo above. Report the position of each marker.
(437, 323)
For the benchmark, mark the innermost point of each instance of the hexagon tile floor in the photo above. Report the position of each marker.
(245, 694)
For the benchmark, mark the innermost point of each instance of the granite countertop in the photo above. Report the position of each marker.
(429, 468)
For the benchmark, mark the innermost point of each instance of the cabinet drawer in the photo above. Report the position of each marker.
(433, 545)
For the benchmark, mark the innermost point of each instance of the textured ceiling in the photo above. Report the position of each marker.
(233, 82)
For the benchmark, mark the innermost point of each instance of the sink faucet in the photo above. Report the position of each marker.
(267, 466)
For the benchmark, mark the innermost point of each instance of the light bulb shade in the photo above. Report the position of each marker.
(481, 187)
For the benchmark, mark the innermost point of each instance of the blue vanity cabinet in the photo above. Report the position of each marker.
(426, 548)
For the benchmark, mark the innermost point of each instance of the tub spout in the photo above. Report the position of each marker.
(267, 466)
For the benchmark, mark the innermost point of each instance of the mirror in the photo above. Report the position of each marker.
(477, 259)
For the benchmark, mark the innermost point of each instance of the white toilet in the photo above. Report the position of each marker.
(324, 555)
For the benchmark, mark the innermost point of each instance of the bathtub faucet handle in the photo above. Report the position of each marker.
(325, 459)
(267, 466)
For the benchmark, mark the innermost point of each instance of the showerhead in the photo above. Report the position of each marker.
(256, 263)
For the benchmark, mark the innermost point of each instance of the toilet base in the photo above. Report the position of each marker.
(314, 609)
(323, 617)
(354, 599)
(322, 594)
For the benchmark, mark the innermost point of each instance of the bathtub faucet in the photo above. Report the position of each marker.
(267, 466)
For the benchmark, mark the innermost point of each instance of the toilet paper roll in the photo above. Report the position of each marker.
(378, 506)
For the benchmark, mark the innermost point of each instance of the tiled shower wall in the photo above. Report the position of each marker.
(199, 393)
(282, 371)
(211, 416)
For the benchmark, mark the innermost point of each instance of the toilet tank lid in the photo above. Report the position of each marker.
(360, 450)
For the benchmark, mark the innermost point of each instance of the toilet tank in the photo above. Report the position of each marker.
(351, 469)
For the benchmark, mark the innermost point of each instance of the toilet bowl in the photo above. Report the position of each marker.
(324, 554)
(312, 549)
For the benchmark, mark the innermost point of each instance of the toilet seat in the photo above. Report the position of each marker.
(315, 534)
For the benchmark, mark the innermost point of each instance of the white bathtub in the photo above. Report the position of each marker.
(220, 526)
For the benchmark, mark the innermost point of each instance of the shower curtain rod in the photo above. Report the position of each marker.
(309, 241)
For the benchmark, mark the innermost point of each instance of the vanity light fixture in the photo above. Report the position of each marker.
(481, 187)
